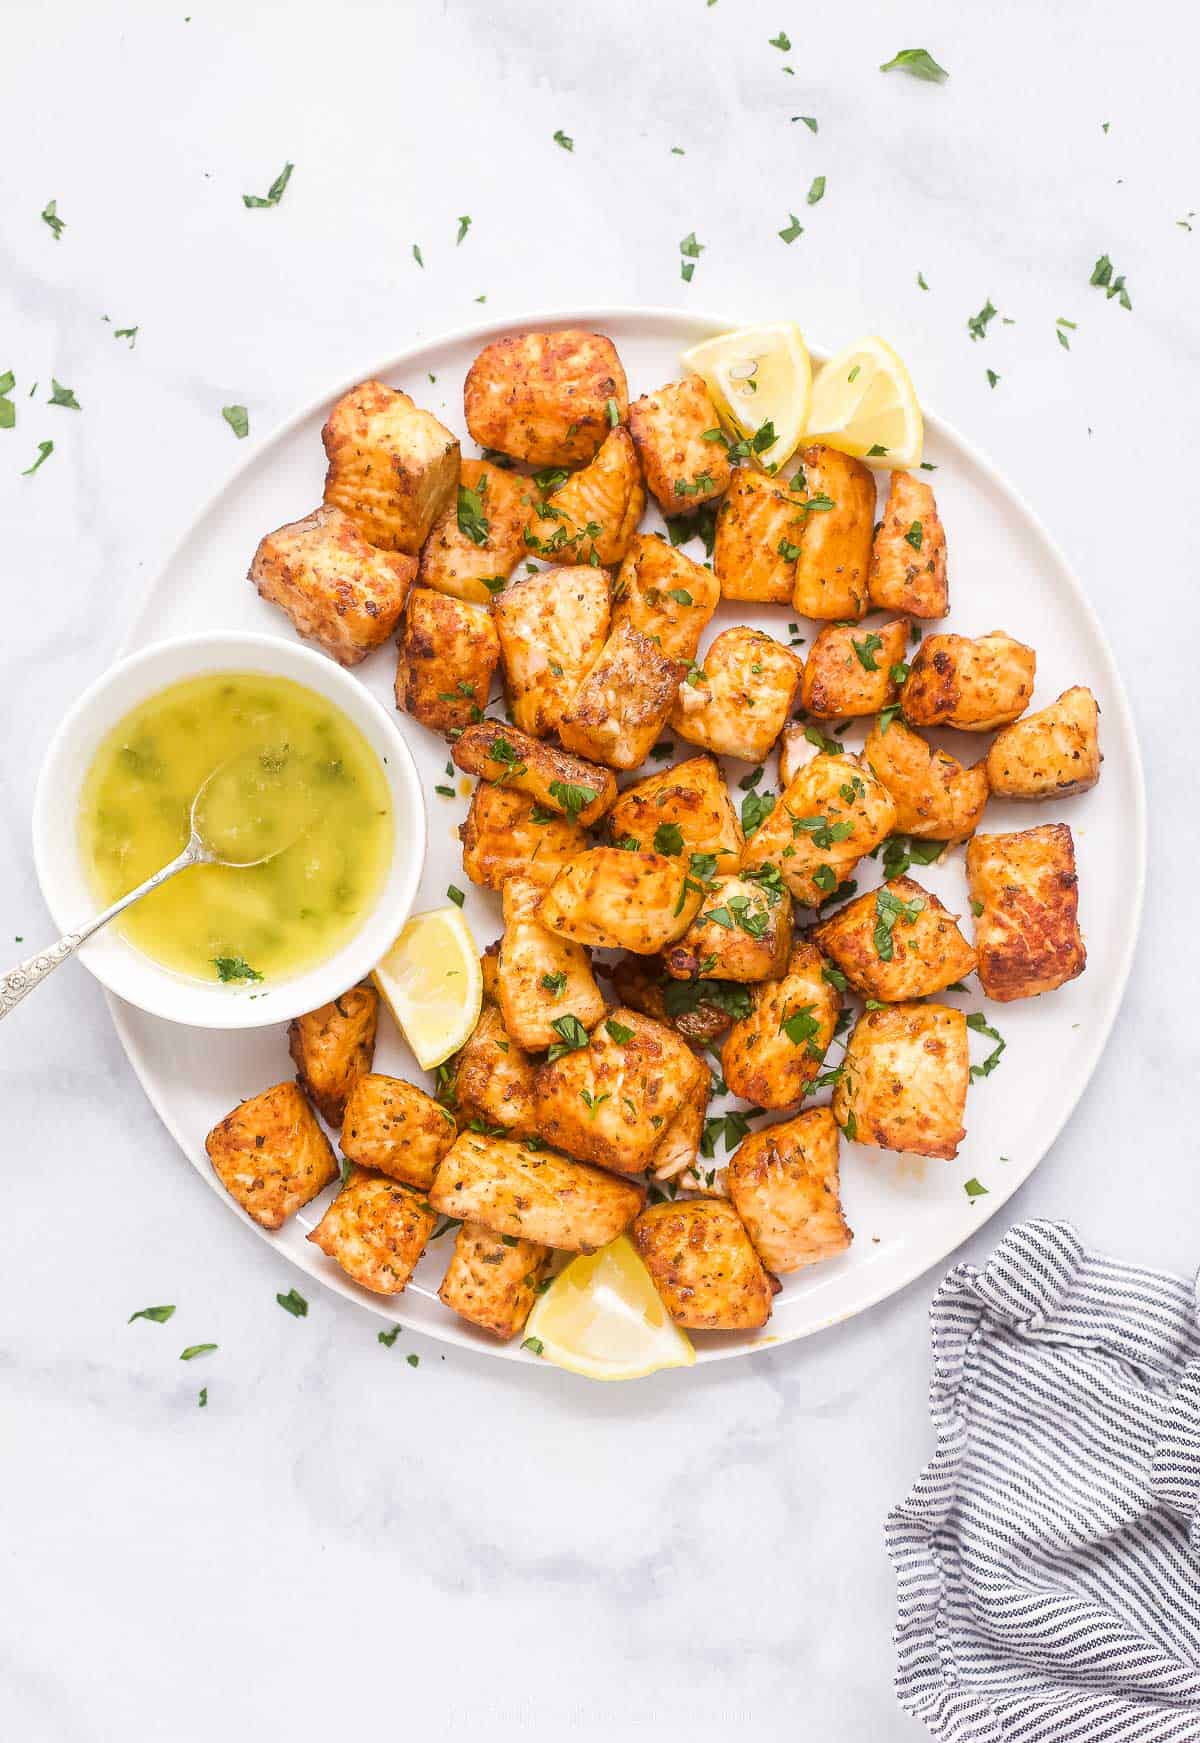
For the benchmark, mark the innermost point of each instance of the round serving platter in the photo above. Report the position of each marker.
(907, 1212)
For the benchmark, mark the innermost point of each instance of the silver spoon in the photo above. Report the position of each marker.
(256, 765)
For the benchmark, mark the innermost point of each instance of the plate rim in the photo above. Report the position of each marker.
(668, 316)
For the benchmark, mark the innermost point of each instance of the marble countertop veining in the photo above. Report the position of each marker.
(340, 1539)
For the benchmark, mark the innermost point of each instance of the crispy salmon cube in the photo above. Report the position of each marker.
(700, 1010)
(392, 466)
(896, 943)
(448, 654)
(376, 1230)
(332, 1047)
(737, 702)
(1048, 754)
(684, 809)
(613, 899)
(937, 798)
(493, 1281)
(623, 704)
(553, 778)
(548, 398)
(973, 684)
(533, 1194)
(271, 1155)
(479, 536)
(493, 1077)
(783, 1183)
(835, 550)
(908, 558)
(678, 1150)
(590, 517)
(773, 1056)
(850, 669)
(611, 1100)
(541, 976)
(665, 596)
(743, 932)
(682, 469)
(335, 586)
(703, 1265)
(832, 812)
(552, 626)
(904, 1080)
(1025, 898)
(507, 834)
(759, 529)
(395, 1128)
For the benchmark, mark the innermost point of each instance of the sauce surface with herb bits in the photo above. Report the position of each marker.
(322, 791)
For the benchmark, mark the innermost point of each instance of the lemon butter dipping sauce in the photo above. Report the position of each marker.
(293, 778)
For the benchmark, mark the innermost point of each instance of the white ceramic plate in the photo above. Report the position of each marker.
(907, 1213)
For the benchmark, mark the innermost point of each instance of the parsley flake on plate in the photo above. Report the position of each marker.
(274, 193)
(919, 63)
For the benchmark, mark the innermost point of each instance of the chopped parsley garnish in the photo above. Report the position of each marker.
(888, 909)
(234, 968)
(976, 907)
(388, 1338)
(592, 1102)
(783, 41)
(899, 672)
(555, 984)
(274, 193)
(572, 797)
(413, 1360)
(464, 224)
(45, 449)
(160, 1315)
(618, 1031)
(1059, 325)
(756, 808)
(691, 250)
(914, 535)
(565, 140)
(50, 216)
(830, 747)
(238, 419)
(851, 1125)
(801, 1026)
(730, 1128)
(977, 325)
(993, 378)
(502, 752)
(979, 1023)
(202, 1397)
(876, 451)
(810, 121)
(791, 229)
(887, 715)
(534, 1344)
(901, 851)
(294, 1303)
(455, 895)
(63, 396)
(572, 1036)
(866, 650)
(919, 62)
(788, 551)
(194, 1350)
(921, 281)
(974, 1188)
(668, 839)
(817, 191)
(8, 411)
(1102, 275)
(834, 976)
(472, 522)
(418, 256)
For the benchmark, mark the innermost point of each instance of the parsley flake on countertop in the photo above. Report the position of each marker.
(817, 191)
(418, 256)
(194, 1350)
(921, 281)
(63, 396)
(1059, 326)
(1102, 276)
(8, 411)
(45, 449)
(202, 1397)
(810, 121)
(388, 1338)
(919, 62)
(238, 419)
(563, 139)
(464, 224)
(160, 1315)
(50, 216)
(993, 378)
(294, 1303)
(413, 1360)
(977, 325)
(274, 193)
(691, 251)
(782, 42)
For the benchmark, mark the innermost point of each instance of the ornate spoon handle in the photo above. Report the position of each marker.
(32, 972)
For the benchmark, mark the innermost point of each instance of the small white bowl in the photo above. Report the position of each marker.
(56, 847)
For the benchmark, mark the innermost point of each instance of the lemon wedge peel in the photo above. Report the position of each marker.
(602, 1318)
(863, 402)
(758, 375)
(432, 983)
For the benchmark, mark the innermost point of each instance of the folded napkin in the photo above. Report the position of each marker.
(1048, 1559)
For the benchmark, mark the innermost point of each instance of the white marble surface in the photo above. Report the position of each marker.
(340, 1541)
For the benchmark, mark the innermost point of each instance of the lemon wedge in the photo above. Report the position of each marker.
(758, 376)
(864, 402)
(603, 1318)
(432, 983)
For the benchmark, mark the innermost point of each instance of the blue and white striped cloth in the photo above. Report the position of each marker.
(1048, 1559)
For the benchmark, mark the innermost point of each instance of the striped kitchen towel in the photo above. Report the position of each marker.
(1048, 1559)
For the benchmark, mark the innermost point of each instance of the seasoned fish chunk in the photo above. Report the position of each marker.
(665, 595)
(682, 469)
(773, 1056)
(612, 1100)
(904, 1080)
(1025, 897)
(449, 651)
(737, 702)
(759, 529)
(271, 1155)
(1051, 753)
(541, 976)
(332, 1046)
(832, 811)
(743, 932)
(552, 626)
(554, 779)
(336, 588)
(908, 559)
(493, 1078)
(679, 1148)
(593, 515)
(937, 798)
(376, 1230)
(975, 685)
(849, 669)
(548, 398)
(533, 1194)
(684, 809)
(835, 552)
(795, 749)
(479, 536)
(395, 1128)
(699, 1010)
(622, 705)
(392, 466)
(896, 943)
(491, 1281)
(703, 1265)
(506, 834)
(783, 1182)
(613, 899)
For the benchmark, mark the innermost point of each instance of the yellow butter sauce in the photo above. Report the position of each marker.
(293, 769)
